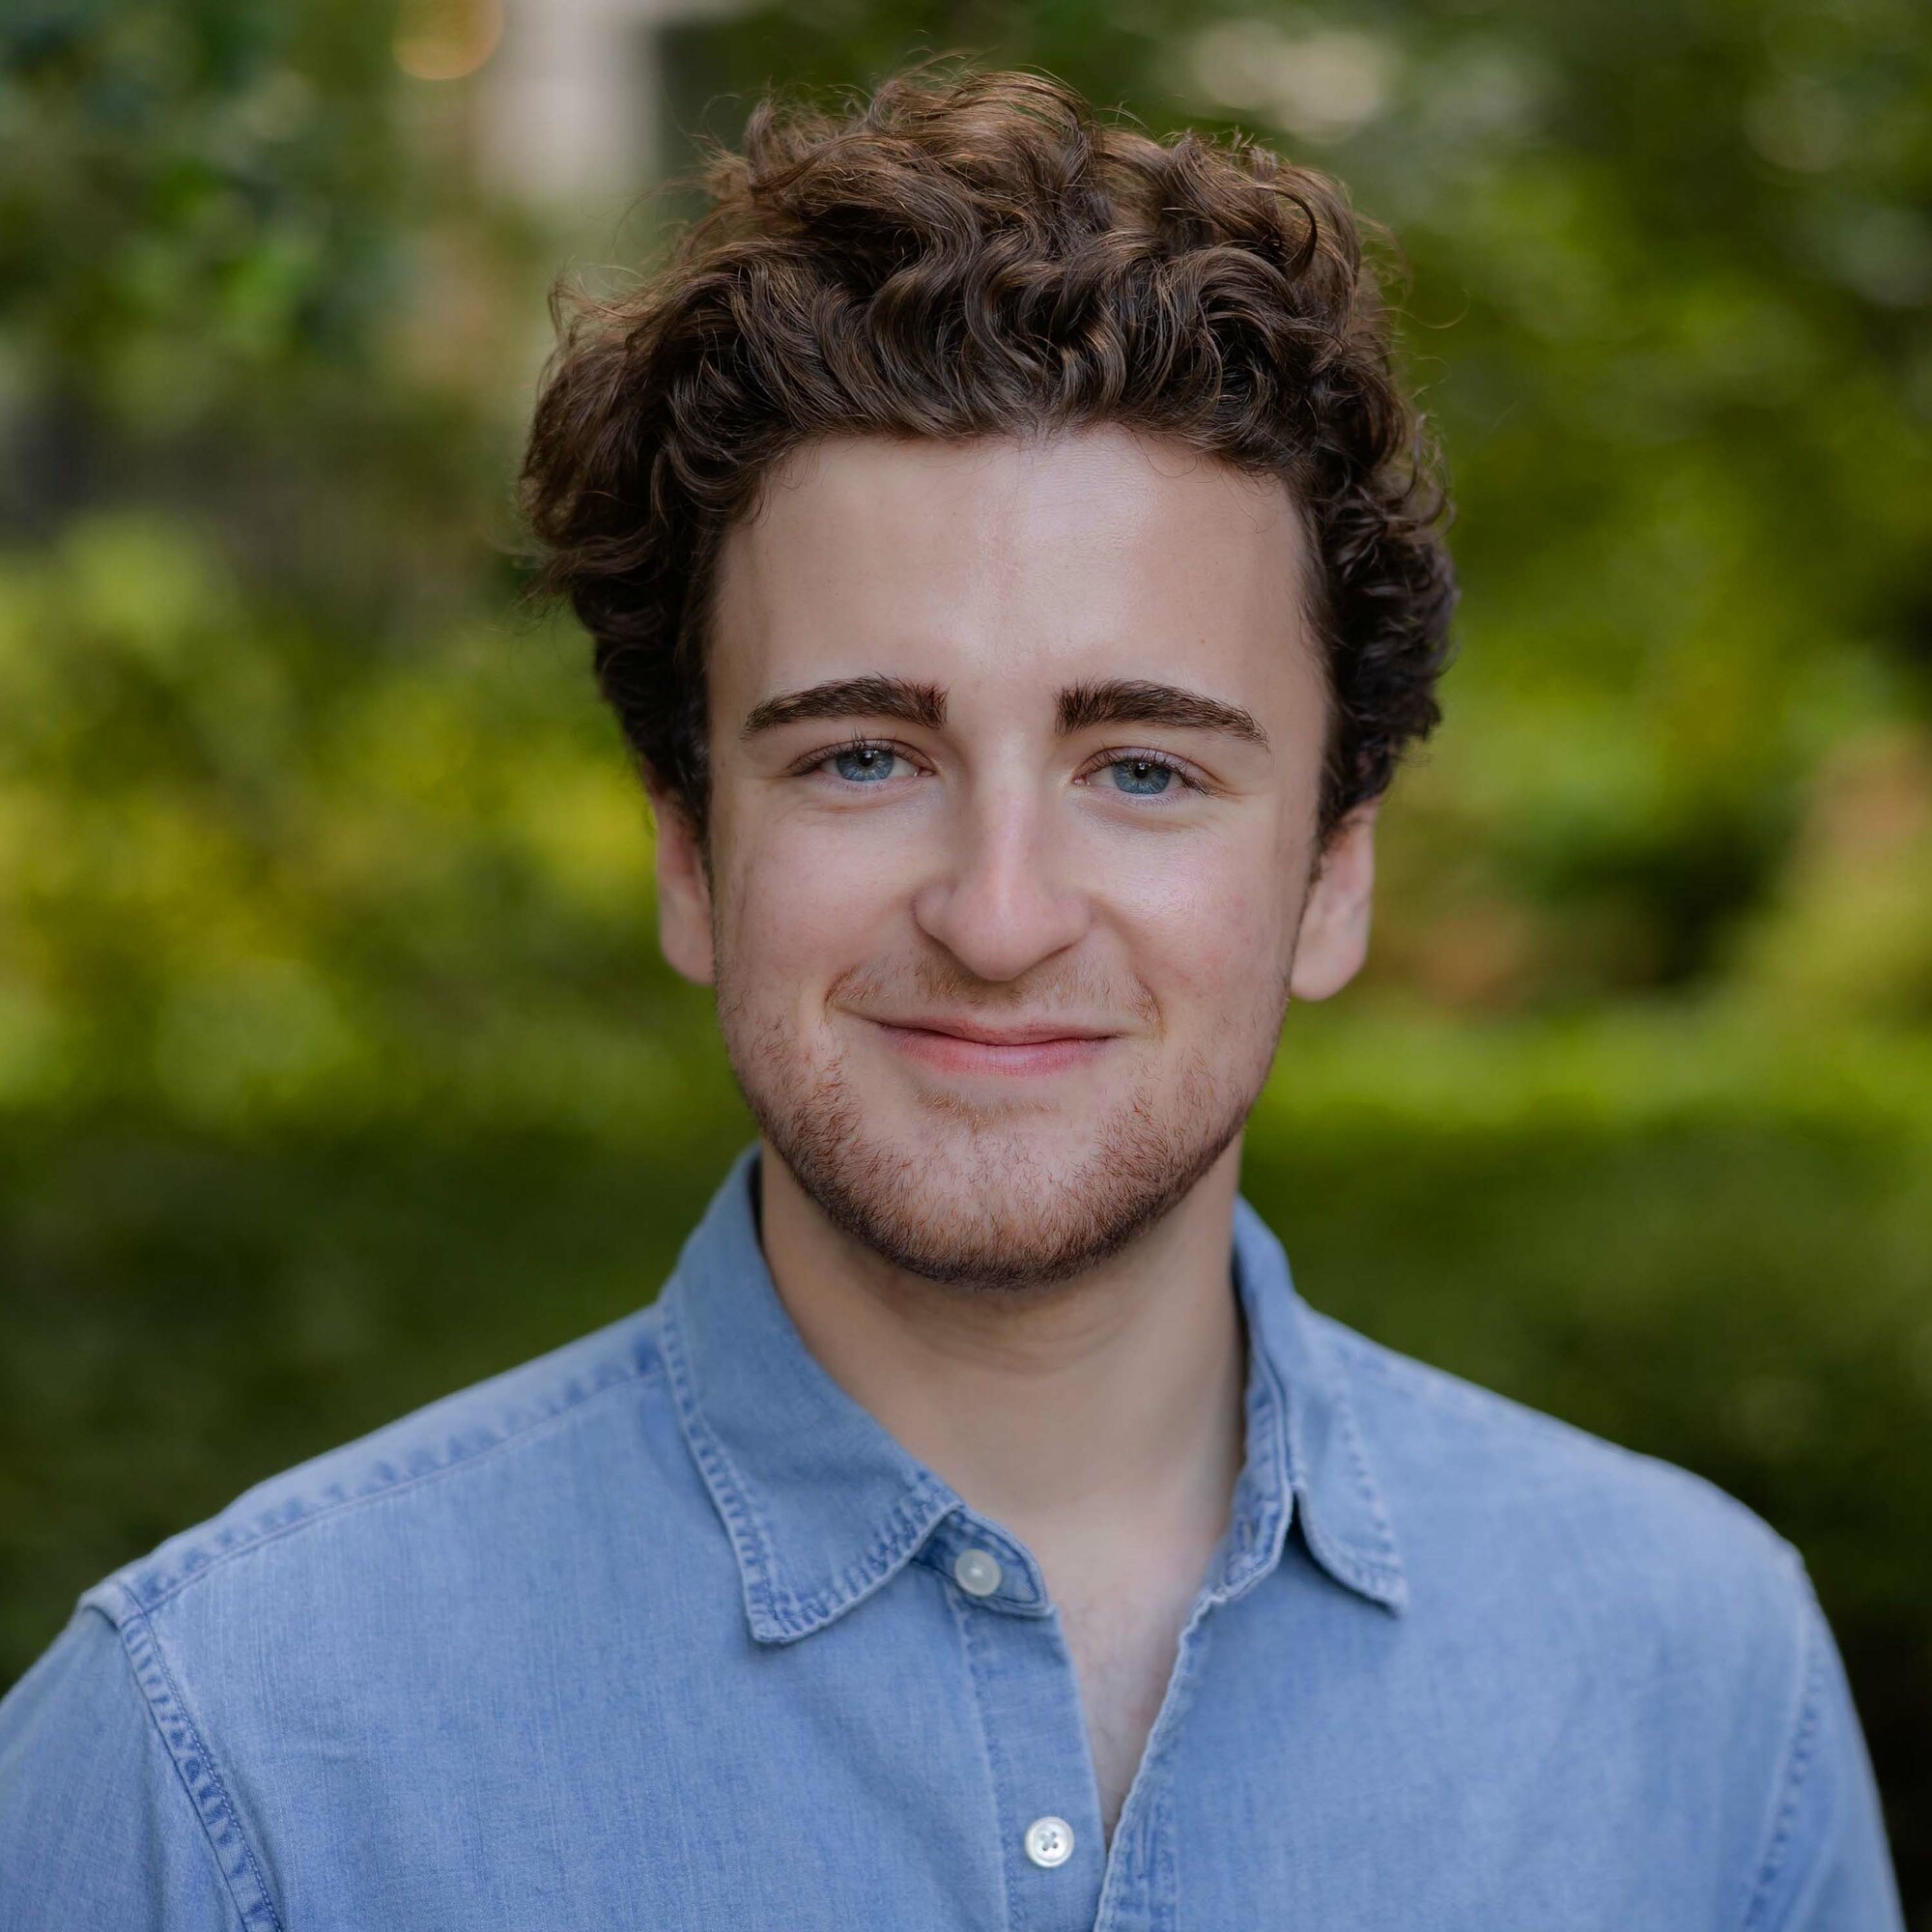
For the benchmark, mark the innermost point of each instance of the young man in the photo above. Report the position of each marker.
(1016, 572)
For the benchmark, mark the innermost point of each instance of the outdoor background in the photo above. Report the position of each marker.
(337, 1065)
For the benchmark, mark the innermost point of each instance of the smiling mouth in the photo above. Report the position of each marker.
(966, 1046)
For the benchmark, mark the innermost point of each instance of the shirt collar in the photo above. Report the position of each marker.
(823, 1506)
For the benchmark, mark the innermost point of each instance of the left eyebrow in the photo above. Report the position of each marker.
(898, 698)
(1132, 701)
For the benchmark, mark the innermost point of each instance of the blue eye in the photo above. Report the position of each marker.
(1142, 777)
(865, 764)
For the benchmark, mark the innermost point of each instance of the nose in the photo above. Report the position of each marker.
(998, 904)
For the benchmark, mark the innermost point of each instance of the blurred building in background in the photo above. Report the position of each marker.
(580, 100)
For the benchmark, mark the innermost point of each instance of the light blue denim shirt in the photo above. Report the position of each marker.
(663, 1630)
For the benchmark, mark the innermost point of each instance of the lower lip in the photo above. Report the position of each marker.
(948, 1053)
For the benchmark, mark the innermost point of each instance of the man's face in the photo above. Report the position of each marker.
(1016, 755)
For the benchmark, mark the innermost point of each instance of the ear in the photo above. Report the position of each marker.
(684, 889)
(1334, 935)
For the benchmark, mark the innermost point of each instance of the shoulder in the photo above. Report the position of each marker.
(1450, 1452)
(1586, 1555)
(309, 1610)
(99, 1825)
(455, 1460)
(1660, 1616)
(352, 1611)
(1575, 1583)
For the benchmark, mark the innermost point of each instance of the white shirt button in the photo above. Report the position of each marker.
(977, 1572)
(1049, 1842)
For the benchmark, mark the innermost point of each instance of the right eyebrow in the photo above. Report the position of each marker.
(923, 704)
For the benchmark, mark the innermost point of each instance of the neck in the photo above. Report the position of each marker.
(1115, 1397)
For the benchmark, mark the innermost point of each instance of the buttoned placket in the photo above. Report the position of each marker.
(1026, 1699)
(1060, 1873)
(1059, 1870)
(764, 1396)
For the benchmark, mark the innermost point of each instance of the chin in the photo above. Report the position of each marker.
(990, 1198)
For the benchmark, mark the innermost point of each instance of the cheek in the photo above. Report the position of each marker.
(804, 907)
(1210, 924)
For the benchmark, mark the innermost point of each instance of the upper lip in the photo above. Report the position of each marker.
(1019, 1032)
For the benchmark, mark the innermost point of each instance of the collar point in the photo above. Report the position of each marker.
(770, 1623)
(1377, 1574)
(1385, 1586)
(1393, 1595)
(764, 1627)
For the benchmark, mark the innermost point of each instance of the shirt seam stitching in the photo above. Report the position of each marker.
(1013, 1912)
(1797, 1759)
(1358, 1562)
(629, 1378)
(1278, 1429)
(1385, 1554)
(751, 1541)
(223, 1807)
(901, 1534)
(777, 1603)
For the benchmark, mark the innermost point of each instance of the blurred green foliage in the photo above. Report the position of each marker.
(337, 1068)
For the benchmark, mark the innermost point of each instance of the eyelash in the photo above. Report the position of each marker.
(806, 767)
(1162, 759)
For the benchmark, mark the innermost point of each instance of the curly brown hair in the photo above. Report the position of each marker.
(976, 255)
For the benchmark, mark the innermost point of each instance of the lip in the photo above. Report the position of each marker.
(1029, 1033)
(960, 1045)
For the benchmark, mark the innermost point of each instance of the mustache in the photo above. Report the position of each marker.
(1047, 992)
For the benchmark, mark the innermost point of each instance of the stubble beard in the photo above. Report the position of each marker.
(983, 1211)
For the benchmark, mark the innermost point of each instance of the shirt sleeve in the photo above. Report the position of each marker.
(96, 1831)
(1828, 1866)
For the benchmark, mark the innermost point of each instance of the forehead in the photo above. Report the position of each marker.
(1010, 564)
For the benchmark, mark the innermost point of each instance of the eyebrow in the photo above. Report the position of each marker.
(1081, 706)
(897, 698)
(1132, 701)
